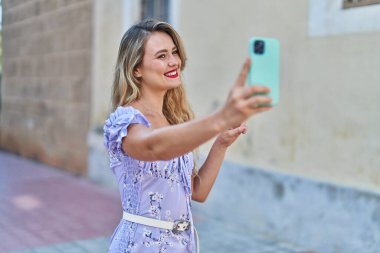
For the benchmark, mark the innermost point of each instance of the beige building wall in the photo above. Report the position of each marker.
(108, 29)
(112, 19)
(47, 51)
(327, 124)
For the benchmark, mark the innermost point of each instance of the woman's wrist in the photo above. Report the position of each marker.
(220, 124)
(220, 145)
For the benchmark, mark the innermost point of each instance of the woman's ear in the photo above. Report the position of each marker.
(137, 73)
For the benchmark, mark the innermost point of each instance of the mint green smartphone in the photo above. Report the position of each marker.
(265, 66)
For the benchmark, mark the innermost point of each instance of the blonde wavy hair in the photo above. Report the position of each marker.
(131, 52)
(126, 89)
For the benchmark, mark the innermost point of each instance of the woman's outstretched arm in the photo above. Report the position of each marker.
(168, 142)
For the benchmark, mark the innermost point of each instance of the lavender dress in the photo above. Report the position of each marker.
(159, 190)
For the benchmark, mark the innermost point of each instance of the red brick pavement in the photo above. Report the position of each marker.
(40, 205)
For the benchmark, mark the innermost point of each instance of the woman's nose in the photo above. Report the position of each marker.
(173, 61)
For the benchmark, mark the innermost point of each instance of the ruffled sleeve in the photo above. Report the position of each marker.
(115, 127)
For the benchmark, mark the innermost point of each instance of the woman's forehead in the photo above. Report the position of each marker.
(158, 41)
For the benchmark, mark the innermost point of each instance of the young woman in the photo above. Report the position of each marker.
(151, 135)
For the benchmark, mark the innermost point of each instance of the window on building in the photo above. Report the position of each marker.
(157, 9)
(358, 3)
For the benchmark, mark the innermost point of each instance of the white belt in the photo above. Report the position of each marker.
(176, 227)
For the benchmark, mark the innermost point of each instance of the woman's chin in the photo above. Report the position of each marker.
(173, 85)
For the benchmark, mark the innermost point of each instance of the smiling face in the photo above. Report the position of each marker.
(160, 68)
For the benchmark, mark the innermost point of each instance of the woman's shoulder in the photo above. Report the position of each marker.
(126, 114)
(124, 110)
(115, 127)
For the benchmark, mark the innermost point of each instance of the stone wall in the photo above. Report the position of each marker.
(47, 47)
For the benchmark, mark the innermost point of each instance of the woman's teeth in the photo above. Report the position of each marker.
(173, 73)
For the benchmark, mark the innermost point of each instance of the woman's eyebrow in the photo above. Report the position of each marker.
(164, 51)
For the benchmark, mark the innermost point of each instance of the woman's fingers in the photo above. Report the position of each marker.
(244, 101)
(240, 82)
(252, 90)
(256, 102)
(262, 109)
(235, 132)
(245, 128)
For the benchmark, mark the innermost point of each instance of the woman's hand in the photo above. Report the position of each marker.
(226, 138)
(244, 101)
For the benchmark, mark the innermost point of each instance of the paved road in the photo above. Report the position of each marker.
(45, 210)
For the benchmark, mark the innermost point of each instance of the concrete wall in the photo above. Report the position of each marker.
(327, 124)
(319, 217)
(46, 80)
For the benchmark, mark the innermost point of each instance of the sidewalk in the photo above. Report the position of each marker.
(45, 210)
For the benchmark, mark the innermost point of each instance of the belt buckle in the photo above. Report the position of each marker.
(180, 226)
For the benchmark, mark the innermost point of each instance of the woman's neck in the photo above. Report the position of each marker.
(152, 98)
(152, 103)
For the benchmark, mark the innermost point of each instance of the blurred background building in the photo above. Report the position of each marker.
(323, 138)
(46, 86)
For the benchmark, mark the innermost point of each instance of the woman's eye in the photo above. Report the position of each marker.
(161, 56)
(175, 52)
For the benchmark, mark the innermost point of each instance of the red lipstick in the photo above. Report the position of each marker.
(172, 73)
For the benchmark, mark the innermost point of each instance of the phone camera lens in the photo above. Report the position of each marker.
(259, 47)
